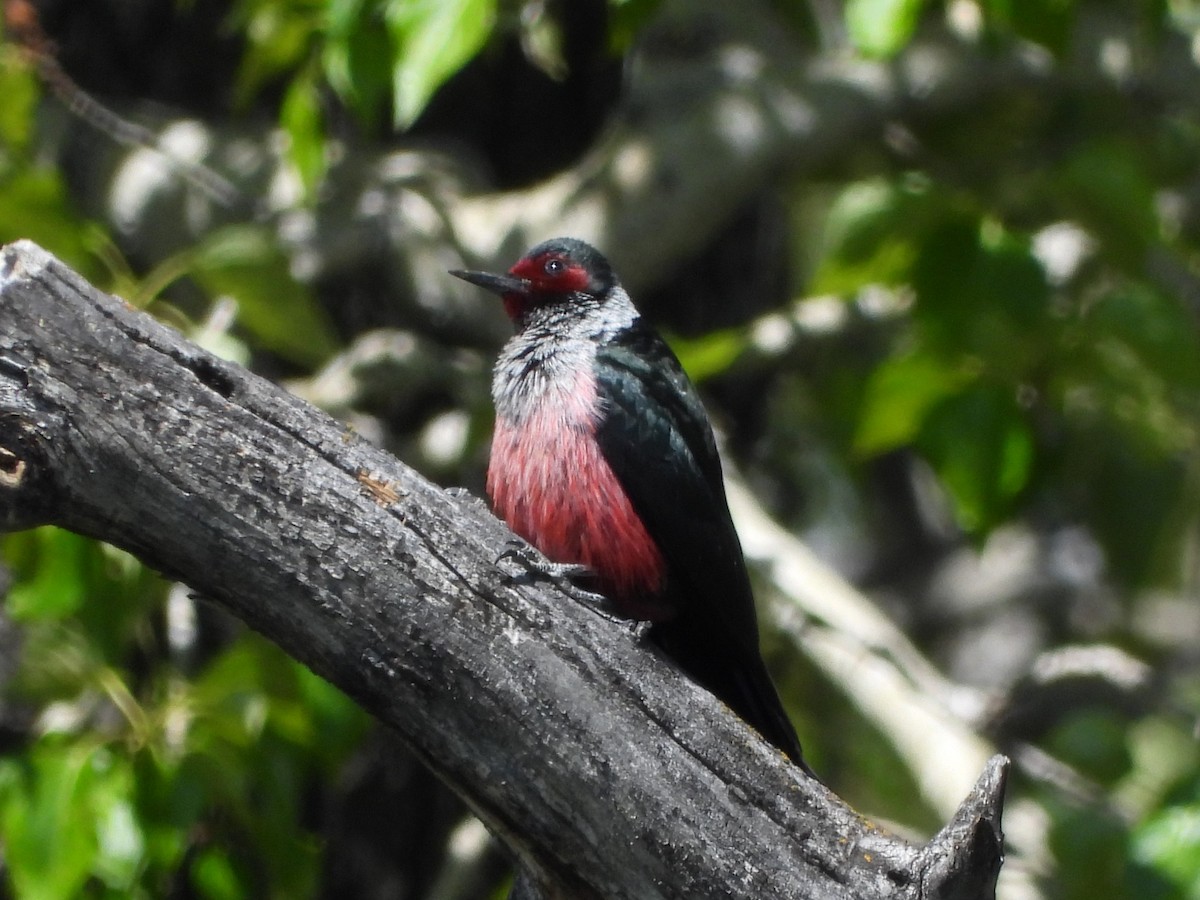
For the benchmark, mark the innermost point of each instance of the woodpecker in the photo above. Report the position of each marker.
(603, 457)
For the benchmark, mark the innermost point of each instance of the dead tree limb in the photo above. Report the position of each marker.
(607, 773)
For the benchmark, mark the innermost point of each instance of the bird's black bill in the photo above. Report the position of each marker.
(497, 284)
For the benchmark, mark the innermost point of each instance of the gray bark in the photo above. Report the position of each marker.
(606, 771)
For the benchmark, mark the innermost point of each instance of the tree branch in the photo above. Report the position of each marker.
(606, 771)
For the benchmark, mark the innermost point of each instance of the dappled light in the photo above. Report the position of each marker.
(934, 269)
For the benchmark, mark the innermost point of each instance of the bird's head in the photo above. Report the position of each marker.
(556, 272)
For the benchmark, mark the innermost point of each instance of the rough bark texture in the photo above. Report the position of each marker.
(607, 772)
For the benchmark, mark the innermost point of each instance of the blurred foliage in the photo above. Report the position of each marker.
(1003, 381)
(373, 56)
(153, 774)
(1015, 311)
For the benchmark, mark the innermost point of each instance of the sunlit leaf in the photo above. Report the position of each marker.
(882, 27)
(52, 569)
(120, 851)
(61, 834)
(870, 237)
(358, 56)
(302, 120)
(48, 847)
(19, 88)
(1169, 842)
(433, 39)
(278, 35)
(214, 875)
(712, 354)
(899, 395)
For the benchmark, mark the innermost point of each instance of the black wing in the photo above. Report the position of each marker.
(656, 436)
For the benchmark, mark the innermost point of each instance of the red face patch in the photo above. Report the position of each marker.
(552, 273)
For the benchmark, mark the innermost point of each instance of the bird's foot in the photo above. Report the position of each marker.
(640, 629)
(566, 575)
(532, 563)
(465, 496)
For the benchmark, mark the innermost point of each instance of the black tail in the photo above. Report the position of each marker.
(736, 675)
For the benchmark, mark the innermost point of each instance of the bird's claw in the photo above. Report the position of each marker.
(532, 563)
(563, 574)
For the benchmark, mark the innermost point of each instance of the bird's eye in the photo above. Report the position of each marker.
(554, 266)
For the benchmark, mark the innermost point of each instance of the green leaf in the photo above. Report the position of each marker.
(71, 821)
(626, 19)
(899, 395)
(1169, 842)
(982, 451)
(214, 876)
(52, 569)
(358, 57)
(870, 237)
(1112, 195)
(301, 118)
(1136, 502)
(1045, 22)
(244, 262)
(433, 39)
(121, 845)
(711, 354)
(1092, 853)
(19, 88)
(882, 27)
(1094, 743)
(982, 294)
(1155, 329)
(343, 17)
(278, 38)
(48, 846)
(1131, 380)
(339, 724)
(34, 205)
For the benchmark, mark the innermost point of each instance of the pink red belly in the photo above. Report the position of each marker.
(549, 481)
